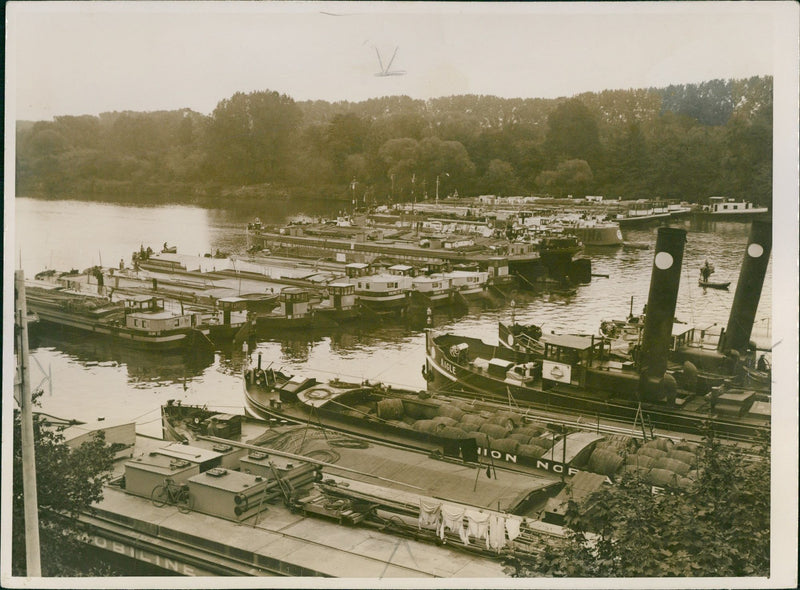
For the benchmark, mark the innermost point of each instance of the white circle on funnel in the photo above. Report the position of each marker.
(663, 260)
(755, 250)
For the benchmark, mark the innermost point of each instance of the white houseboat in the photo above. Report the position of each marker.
(642, 212)
(468, 283)
(719, 207)
(434, 290)
(380, 292)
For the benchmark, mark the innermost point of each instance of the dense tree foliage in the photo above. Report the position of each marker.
(719, 527)
(68, 481)
(685, 142)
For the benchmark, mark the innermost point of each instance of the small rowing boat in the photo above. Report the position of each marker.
(714, 285)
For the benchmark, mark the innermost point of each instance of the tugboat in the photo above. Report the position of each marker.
(578, 374)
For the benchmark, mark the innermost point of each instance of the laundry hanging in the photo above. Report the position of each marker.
(497, 532)
(477, 525)
(429, 514)
(452, 519)
(512, 527)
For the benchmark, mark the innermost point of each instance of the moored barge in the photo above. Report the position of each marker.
(530, 260)
(141, 321)
(460, 428)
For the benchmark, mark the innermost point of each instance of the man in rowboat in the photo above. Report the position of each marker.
(705, 271)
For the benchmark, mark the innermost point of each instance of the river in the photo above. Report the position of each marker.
(86, 379)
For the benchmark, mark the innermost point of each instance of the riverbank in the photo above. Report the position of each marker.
(129, 192)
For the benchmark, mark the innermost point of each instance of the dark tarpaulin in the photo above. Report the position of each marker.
(469, 450)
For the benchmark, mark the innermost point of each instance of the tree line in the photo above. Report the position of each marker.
(684, 142)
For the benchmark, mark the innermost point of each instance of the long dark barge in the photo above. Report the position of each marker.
(474, 431)
(577, 373)
(416, 420)
(532, 261)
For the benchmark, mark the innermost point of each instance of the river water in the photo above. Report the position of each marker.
(87, 379)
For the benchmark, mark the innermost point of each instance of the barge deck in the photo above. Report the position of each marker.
(299, 538)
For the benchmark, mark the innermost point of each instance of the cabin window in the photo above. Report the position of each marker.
(144, 324)
(177, 323)
(135, 323)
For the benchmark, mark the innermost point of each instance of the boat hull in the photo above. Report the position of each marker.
(384, 303)
(638, 220)
(331, 315)
(433, 299)
(743, 215)
(605, 236)
(163, 340)
(710, 285)
(272, 406)
(267, 323)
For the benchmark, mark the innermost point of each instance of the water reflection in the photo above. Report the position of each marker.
(231, 358)
(145, 369)
(93, 377)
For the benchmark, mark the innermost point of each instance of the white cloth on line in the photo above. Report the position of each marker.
(512, 527)
(452, 519)
(497, 532)
(429, 513)
(477, 525)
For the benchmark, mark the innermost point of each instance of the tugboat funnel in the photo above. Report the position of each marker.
(661, 301)
(748, 290)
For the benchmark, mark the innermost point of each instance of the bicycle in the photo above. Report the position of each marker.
(172, 494)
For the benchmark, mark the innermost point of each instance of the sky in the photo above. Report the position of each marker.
(73, 58)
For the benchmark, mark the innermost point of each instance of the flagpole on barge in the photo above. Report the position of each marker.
(30, 498)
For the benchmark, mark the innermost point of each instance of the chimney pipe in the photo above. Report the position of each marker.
(748, 289)
(661, 301)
